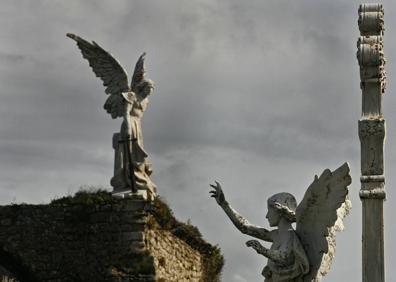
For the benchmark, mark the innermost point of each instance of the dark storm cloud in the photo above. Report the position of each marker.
(258, 95)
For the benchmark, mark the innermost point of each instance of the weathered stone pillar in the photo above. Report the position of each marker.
(372, 134)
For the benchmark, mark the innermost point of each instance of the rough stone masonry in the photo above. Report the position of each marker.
(109, 239)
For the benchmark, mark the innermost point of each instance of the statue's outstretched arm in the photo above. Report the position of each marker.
(277, 256)
(238, 220)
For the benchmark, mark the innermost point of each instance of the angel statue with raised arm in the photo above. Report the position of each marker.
(304, 254)
(132, 169)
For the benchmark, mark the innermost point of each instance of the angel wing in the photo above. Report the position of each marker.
(320, 215)
(109, 70)
(138, 74)
(139, 84)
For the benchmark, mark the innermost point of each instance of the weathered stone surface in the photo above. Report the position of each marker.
(171, 263)
(106, 241)
(372, 135)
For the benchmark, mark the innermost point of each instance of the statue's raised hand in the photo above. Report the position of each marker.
(255, 245)
(217, 193)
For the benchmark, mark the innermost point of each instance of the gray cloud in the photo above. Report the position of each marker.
(258, 95)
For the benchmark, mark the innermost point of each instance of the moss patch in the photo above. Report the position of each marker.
(86, 197)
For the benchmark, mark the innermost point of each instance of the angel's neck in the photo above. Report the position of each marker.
(284, 225)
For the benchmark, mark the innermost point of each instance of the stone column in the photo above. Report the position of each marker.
(372, 134)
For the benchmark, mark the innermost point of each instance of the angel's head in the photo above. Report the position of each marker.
(145, 87)
(281, 205)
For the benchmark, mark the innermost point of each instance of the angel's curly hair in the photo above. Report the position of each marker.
(285, 203)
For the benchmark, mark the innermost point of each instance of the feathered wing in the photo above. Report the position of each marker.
(138, 74)
(141, 86)
(320, 215)
(109, 70)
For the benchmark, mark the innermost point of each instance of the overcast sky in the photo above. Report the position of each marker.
(259, 95)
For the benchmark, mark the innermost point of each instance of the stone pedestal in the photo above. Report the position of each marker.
(127, 193)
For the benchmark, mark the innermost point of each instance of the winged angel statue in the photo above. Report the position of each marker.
(131, 166)
(304, 254)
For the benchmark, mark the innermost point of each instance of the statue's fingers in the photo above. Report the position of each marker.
(213, 186)
(218, 189)
(213, 192)
(249, 243)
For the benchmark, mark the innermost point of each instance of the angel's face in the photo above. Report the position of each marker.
(273, 216)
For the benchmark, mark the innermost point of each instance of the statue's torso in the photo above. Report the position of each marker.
(283, 242)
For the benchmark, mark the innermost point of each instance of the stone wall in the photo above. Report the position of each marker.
(6, 276)
(104, 239)
(174, 260)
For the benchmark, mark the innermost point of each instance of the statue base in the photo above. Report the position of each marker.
(140, 194)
